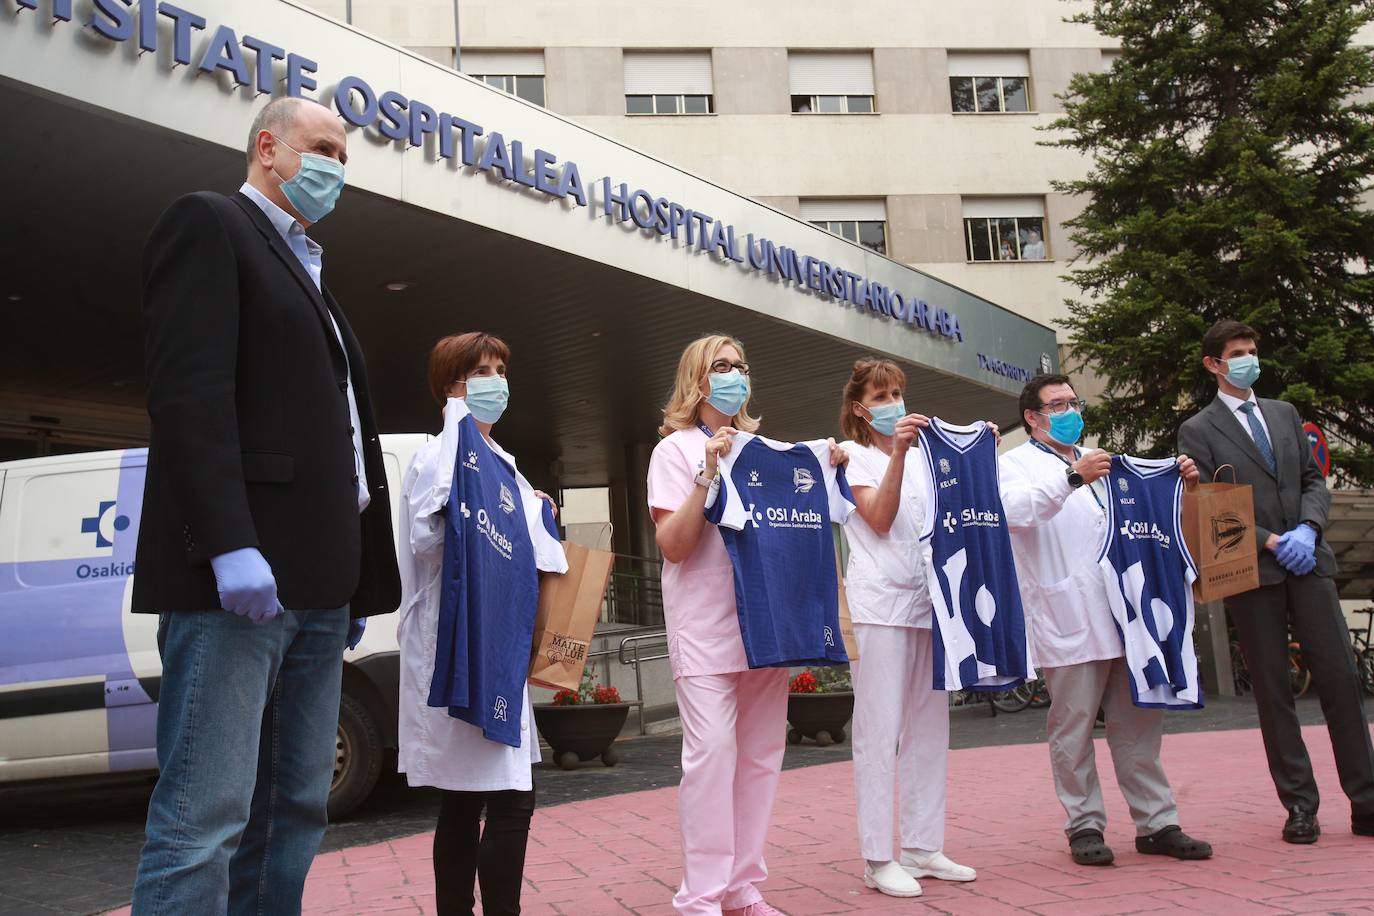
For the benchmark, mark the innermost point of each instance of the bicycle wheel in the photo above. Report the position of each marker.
(1013, 700)
(1299, 677)
(1240, 674)
(1039, 693)
(1366, 664)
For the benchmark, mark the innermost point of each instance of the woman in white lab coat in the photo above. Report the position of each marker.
(901, 723)
(467, 373)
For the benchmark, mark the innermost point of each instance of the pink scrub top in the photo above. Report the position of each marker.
(699, 592)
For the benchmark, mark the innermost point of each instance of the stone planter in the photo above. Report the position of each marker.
(819, 716)
(582, 731)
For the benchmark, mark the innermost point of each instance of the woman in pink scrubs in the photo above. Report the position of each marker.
(733, 718)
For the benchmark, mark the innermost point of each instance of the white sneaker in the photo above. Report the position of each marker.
(936, 865)
(891, 879)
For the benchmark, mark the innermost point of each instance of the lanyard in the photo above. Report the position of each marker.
(704, 428)
(1091, 487)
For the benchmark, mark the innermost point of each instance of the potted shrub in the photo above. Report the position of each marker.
(820, 703)
(582, 724)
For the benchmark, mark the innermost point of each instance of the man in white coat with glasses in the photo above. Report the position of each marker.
(1053, 494)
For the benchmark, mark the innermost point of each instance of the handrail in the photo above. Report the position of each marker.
(635, 661)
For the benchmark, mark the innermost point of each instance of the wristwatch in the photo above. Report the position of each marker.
(704, 480)
(1075, 478)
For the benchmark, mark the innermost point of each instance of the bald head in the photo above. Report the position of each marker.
(283, 130)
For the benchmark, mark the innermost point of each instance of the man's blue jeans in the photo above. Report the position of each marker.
(246, 723)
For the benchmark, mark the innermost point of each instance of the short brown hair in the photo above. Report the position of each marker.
(870, 370)
(1030, 394)
(453, 357)
(1223, 332)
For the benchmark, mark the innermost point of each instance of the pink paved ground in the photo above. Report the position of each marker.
(620, 854)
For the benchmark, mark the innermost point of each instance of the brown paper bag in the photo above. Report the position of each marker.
(1219, 529)
(851, 645)
(569, 607)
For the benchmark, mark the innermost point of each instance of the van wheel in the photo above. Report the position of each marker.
(357, 758)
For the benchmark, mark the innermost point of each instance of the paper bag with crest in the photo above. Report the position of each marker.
(1219, 530)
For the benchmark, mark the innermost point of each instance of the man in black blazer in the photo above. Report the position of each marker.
(266, 533)
(1265, 443)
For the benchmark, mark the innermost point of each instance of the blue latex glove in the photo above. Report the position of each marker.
(355, 632)
(246, 584)
(1297, 550)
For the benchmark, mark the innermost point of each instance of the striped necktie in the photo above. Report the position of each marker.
(1261, 438)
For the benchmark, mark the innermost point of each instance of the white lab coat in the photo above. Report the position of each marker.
(1056, 533)
(435, 748)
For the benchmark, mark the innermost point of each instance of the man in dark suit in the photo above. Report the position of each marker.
(1264, 441)
(266, 533)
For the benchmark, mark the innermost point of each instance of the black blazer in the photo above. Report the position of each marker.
(1296, 493)
(251, 443)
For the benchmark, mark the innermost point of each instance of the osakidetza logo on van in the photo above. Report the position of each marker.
(106, 523)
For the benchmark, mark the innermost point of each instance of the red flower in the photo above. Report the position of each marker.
(804, 683)
(566, 698)
(605, 695)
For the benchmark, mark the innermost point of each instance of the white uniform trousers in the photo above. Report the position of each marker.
(1133, 736)
(901, 734)
(734, 731)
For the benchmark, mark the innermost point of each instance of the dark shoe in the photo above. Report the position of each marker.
(1301, 827)
(1087, 848)
(1362, 825)
(1172, 841)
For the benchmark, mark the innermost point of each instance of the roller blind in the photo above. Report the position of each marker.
(503, 63)
(827, 210)
(975, 207)
(667, 73)
(831, 74)
(999, 64)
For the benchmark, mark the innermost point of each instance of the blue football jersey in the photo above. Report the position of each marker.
(775, 505)
(490, 593)
(1149, 575)
(980, 628)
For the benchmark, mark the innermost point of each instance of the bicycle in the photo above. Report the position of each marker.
(1362, 642)
(1299, 676)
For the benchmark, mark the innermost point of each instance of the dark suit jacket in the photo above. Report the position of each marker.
(1295, 494)
(251, 444)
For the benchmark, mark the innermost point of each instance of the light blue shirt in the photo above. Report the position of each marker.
(311, 256)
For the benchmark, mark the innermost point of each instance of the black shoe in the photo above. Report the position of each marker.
(1362, 825)
(1301, 827)
(1087, 848)
(1172, 841)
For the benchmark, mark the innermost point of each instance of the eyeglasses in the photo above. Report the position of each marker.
(1065, 405)
(724, 365)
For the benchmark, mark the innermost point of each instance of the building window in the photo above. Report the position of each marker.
(668, 83)
(861, 221)
(988, 83)
(529, 88)
(1004, 229)
(520, 73)
(831, 83)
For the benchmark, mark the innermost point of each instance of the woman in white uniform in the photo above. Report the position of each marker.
(475, 774)
(901, 724)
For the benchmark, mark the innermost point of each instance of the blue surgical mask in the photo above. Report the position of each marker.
(884, 417)
(1066, 428)
(487, 397)
(315, 188)
(729, 391)
(1242, 371)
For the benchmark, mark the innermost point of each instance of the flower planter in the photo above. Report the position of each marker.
(819, 716)
(581, 731)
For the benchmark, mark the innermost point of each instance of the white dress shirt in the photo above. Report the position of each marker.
(1235, 405)
(310, 254)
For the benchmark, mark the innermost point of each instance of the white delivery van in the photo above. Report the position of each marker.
(79, 673)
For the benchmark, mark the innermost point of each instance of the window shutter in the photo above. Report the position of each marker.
(831, 74)
(874, 209)
(976, 207)
(503, 63)
(994, 64)
(666, 73)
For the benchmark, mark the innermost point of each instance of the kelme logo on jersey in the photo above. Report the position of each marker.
(471, 462)
(498, 709)
(802, 480)
(1145, 531)
(507, 500)
(944, 469)
(754, 479)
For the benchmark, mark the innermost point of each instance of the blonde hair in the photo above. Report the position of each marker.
(683, 406)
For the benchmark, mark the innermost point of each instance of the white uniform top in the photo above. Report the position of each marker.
(435, 748)
(1055, 534)
(885, 581)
